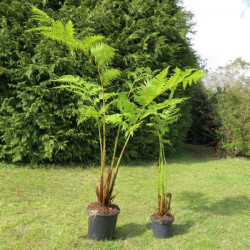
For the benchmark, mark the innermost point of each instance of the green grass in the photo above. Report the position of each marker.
(45, 208)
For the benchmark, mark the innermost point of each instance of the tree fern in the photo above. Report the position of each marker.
(96, 100)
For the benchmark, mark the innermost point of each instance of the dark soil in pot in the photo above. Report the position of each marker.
(102, 221)
(162, 225)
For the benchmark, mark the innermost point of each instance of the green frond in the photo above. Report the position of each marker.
(56, 30)
(69, 28)
(110, 103)
(133, 128)
(161, 77)
(172, 91)
(127, 108)
(194, 78)
(79, 86)
(145, 94)
(40, 15)
(88, 112)
(58, 33)
(153, 109)
(103, 55)
(108, 96)
(170, 115)
(89, 41)
(92, 113)
(71, 88)
(175, 79)
(188, 76)
(153, 88)
(110, 75)
(115, 119)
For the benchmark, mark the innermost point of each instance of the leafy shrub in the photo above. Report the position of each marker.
(233, 109)
(232, 90)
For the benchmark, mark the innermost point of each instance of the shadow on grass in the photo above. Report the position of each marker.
(180, 229)
(186, 154)
(131, 230)
(198, 202)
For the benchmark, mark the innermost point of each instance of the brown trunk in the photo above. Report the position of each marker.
(101, 189)
(106, 196)
(97, 194)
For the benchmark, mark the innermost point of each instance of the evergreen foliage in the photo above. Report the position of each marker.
(202, 130)
(38, 124)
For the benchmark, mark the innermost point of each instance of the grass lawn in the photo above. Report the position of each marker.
(45, 208)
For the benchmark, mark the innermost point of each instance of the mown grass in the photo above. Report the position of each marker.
(45, 208)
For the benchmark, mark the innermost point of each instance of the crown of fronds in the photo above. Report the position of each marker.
(65, 33)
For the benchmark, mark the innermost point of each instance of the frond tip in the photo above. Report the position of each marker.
(103, 54)
(63, 33)
(40, 15)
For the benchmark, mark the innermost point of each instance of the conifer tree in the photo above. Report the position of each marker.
(148, 35)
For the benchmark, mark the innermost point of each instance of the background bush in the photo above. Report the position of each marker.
(231, 85)
(204, 117)
(233, 108)
(40, 124)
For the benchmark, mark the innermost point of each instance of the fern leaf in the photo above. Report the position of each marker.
(103, 55)
(115, 119)
(40, 15)
(71, 88)
(127, 108)
(133, 128)
(167, 104)
(110, 75)
(69, 28)
(88, 112)
(153, 88)
(89, 41)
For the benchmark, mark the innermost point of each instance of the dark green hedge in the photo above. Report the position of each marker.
(40, 124)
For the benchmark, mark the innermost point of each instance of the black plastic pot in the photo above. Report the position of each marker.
(101, 226)
(162, 228)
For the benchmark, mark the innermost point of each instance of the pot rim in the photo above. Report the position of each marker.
(160, 221)
(95, 213)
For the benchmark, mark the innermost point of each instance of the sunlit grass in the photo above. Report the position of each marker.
(46, 207)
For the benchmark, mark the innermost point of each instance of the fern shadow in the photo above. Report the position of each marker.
(198, 202)
(189, 154)
(180, 229)
(131, 230)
